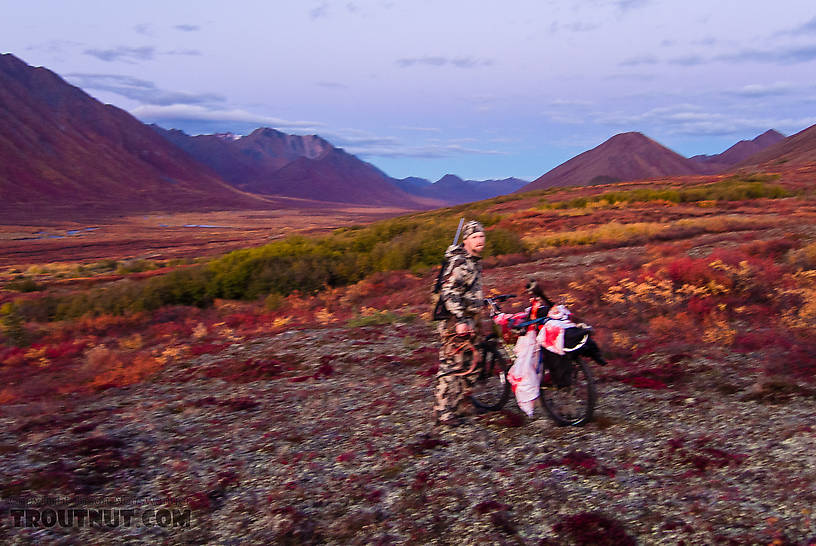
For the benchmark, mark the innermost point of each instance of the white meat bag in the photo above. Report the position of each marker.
(525, 374)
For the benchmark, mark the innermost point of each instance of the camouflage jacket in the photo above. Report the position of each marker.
(461, 290)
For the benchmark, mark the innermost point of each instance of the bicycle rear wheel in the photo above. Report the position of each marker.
(568, 391)
(491, 390)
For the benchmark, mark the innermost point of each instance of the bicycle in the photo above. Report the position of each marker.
(568, 393)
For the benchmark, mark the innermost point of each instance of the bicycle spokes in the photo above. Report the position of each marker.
(568, 392)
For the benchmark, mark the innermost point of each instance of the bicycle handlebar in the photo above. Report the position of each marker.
(493, 303)
(531, 322)
(498, 299)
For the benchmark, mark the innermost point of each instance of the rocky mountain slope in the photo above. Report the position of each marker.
(626, 156)
(270, 162)
(64, 153)
(739, 152)
(796, 150)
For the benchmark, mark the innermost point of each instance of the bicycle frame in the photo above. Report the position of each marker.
(567, 391)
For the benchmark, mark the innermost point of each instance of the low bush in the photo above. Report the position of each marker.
(735, 188)
(296, 264)
(379, 318)
(805, 257)
(24, 284)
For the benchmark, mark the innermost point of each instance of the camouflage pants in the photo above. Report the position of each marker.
(451, 389)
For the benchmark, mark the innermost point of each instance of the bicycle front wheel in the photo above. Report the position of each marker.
(491, 390)
(568, 392)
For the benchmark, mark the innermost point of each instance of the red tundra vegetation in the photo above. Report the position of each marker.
(305, 418)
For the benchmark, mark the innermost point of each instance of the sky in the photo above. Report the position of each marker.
(479, 88)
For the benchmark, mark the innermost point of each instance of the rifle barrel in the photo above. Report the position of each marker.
(458, 231)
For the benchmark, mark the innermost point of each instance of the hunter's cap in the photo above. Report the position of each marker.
(470, 228)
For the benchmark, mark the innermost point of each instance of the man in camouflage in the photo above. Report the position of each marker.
(461, 295)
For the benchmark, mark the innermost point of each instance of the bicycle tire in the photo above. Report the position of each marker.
(568, 395)
(491, 389)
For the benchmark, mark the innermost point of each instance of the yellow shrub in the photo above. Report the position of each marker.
(718, 332)
(132, 343)
(623, 341)
(324, 316)
(200, 331)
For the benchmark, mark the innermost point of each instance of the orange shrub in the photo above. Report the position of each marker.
(663, 327)
(122, 371)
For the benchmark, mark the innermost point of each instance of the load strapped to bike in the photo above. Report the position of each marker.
(549, 364)
(548, 361)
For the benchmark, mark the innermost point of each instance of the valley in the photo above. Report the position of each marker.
(172, 236)
(304, 416)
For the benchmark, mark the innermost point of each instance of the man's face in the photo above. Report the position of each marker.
(474, 245)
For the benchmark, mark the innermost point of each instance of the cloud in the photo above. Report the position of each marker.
(134, 54)
(687, 119)
(781, 55)
(364, 144)
(570, 102)
(187, 28)
(146, 29)
(140, 90)
(785, 55)
(567, 111)
(361, 141)
(55, 46)
(633, 77)
(707, 41)
(458, 62)
(189, 52)
(430, 151)
(805, 28)
(763, 90)
(123, 53)
(194, 112)
(320, 11)
(719, 125)
(639, 61)
(420, 129)
(630, 5)
(688, 60)
(332, 85)
(578, 26)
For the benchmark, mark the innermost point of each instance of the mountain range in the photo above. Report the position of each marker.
(270, 162)
(63, 153)
(739, 152)
(452, 190)
(796, 150)
(634, 156)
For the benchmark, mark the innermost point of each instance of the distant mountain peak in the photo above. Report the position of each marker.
(271, 162)
(796, 149)
(449, 179)
(625, 156)
(739, 152)
(770, 134)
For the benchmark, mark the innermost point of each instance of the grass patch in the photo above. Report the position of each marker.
(735, 188)
(615, 233)
(380, 318)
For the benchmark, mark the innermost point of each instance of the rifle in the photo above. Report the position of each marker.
(440, 312)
